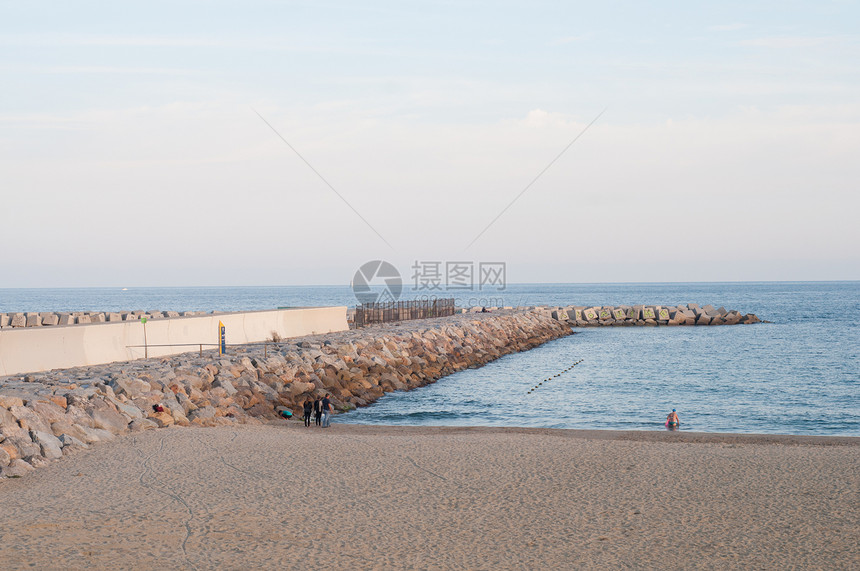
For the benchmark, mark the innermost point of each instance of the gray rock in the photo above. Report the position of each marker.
(127, 409)
(6, 418)
(16, 469)
(113, 317)
(108, 419)
(130, 387)
(5, 320)
(28, 419)
(97, 434)
(50, 445)
(18, 320)
(4, 458)
(66, 319)
(139, 424)
(33, 320)
(226, 385)
(69, 441)
(25, 445)
(83, 319)
(202, 413)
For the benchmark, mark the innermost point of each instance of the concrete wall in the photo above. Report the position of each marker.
(43, 348)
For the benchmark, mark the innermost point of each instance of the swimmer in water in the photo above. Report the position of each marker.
(672, 420)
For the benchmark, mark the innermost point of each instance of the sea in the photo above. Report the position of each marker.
(797, 374)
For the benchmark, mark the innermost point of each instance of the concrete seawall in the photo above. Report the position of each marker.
(29, 349)
(46, 415)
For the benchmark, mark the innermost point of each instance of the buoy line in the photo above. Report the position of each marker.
(534, 388)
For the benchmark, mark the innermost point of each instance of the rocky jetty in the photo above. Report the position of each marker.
(46, 415)
(631, 315)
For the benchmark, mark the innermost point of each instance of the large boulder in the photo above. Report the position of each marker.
(139, 424)
(25, 446)
(16, 469)
(162, 419)
(226, 384)
(202, 413)
(95, 434)
(28, 419)
(50, 445)
(9, 402)
(48, 411)
(106, 418)
(130, 387)
(6, 418)
(69, 441)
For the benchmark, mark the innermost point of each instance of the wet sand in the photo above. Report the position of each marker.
(361, 497)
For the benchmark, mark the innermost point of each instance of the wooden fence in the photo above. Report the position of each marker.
(370, 313)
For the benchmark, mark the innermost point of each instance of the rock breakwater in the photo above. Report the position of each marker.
(46, 415)
(621, 315)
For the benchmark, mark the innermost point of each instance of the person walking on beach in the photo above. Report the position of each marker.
(317, 410)
(308, 408)
(327, 409)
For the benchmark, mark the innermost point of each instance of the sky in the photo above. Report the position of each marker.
(190, 143)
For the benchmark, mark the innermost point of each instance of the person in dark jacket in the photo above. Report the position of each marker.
(308, 408)
(318, 411)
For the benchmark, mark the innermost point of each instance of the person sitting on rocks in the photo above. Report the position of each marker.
(672, 420)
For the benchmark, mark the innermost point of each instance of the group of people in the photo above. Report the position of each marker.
(318, 409)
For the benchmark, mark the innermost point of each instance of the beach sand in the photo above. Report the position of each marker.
(362, 497)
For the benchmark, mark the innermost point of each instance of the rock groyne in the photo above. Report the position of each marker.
(46, 415)
(631, 315)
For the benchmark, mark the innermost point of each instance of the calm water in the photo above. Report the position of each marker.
(797, 375)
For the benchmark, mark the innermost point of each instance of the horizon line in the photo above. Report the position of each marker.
(410, 287)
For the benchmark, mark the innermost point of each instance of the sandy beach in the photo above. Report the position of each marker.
(361, 497)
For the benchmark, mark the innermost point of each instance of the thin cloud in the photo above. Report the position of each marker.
(39, 40)
(568, 40)
(728, 27)
(95, 69)
(786, 42)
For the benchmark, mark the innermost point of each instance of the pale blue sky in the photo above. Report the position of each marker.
(130, 153)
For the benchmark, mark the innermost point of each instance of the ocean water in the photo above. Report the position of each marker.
(799, 374)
